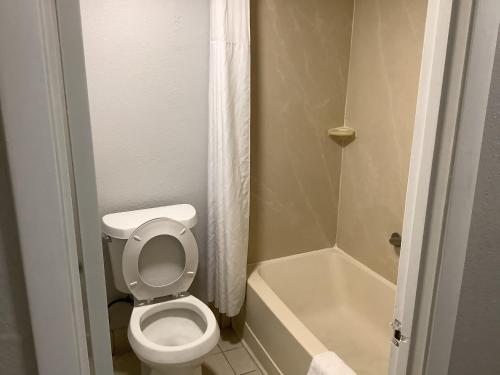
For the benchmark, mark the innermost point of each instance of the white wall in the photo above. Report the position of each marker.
(147, 72)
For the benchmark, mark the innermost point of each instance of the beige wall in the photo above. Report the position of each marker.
(300, 54)
(381, 97)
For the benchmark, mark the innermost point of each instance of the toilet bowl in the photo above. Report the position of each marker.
(173, 337)
(154, 257)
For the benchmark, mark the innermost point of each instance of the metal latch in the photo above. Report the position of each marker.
(397, 336)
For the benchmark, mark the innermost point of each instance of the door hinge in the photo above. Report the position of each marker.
(397, 336)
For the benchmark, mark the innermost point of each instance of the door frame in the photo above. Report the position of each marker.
(47, 102)
(430, 163)
(484, 22)
(84, 185)
(34, 113)
(427, 303)
(47, 130)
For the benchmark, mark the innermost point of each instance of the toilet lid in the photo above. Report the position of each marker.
(160, 259)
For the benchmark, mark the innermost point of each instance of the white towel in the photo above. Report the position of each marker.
(329, 363)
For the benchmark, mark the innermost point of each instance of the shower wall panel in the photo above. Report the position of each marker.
(381, 97)
(300, 57)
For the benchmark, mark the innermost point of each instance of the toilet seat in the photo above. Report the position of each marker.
(136, 280)
(191, 352)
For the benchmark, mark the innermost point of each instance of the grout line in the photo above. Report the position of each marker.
(229, 363)
(231, 349)
(246, 351)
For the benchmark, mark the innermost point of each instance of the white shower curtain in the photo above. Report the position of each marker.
(229, 153)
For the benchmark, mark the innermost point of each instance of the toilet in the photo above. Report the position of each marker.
(154, 257)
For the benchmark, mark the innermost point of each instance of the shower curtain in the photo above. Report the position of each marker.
(228, 153)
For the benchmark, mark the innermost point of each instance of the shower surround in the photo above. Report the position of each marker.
(300, 60)
(317, 65)
(384, 68)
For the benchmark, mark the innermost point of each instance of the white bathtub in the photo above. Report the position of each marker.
(305, 304)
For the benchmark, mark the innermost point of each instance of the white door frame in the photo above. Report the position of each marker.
(47, 130)
(432, 260)
(84, 185)
(35, 103)
(484, 28)
(422, 164)
(440, 184)
(34, 117)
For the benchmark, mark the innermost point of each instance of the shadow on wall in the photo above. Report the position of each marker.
(15, 324)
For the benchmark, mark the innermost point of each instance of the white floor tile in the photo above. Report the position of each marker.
(216, 364)
(240, 361)
(215, 350)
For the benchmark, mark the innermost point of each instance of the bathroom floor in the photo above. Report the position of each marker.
(229, 357)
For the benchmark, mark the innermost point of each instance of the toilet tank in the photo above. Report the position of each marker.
(119, 227)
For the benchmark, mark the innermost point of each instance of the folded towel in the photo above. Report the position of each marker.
(329, 363)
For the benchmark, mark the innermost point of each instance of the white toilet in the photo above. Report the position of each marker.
(154, 257)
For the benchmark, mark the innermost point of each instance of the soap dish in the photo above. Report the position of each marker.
(342, 132)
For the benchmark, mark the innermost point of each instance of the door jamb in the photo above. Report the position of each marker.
(84, 184)
(484, 26)
(34, 119)
(440, 91)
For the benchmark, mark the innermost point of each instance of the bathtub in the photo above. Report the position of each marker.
(302, 305)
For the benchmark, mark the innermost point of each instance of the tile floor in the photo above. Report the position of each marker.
(229, 357)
